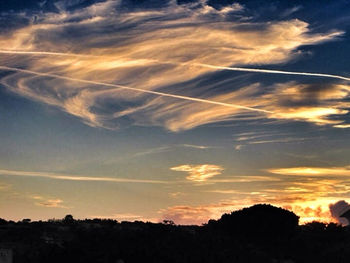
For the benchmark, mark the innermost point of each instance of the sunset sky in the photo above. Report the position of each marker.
(181, 110)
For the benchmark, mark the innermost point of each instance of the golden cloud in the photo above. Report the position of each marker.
(314, 103)
(199, 173)
(190, 215)
(51, 203)
(307, 209)
(309, 198)
(120, 216)
(313, 171)
(161, 55)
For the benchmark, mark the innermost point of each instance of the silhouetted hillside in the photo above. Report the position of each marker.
(261, 233)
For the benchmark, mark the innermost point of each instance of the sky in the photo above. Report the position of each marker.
(179, 110)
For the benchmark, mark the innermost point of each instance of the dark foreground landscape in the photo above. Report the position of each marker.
(261, 233)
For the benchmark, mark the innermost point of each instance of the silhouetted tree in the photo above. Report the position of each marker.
(261, 219)
(168, 222)
(261, 233)
(68, 219)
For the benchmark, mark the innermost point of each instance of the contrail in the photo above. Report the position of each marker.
(255, 70)
(163, 94)
(270, 71)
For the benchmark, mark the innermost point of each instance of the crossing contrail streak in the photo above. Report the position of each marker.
(254, 70)
(270, 71)
(163, 94)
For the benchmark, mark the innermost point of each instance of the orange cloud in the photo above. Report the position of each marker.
(120, 217)
(51, 203)
(169, 52)
(189, 215)
(313, 171)
(309, 211)
(199, 173)
(308, 214)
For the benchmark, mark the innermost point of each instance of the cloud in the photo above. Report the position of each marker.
(168, 148)
(308, 197)
(285, 140)
(189, 215)
(239, 147)
(4, 186)
(161, 149)
(309, 209)
(290, 11)
(50, 203)
(79, 105)
(283, 97)
(313, 171)
(199, 173)
(169, 49)
(200, 214)
(339, 208)
(269, 71)
(70, 177)
(342, 126)
(200, 147)
(245, 179)
(177, 194)
(311, 213)
(321, 104)
(255, 138)
(224, 191)
(120, 217)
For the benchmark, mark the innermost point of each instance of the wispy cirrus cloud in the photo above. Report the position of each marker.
(245, 179)
(70, 177)
(153, 44)
(263, 137)
(199, 173)
(200, 147)
(168, 148)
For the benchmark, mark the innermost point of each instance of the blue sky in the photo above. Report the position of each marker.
(154, 110)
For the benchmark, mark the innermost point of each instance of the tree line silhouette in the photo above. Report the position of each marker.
(261, 233)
